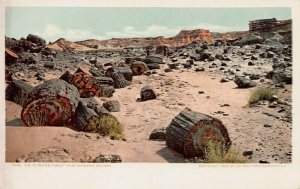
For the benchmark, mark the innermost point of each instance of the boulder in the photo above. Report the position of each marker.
(243, 82)
(112, 106)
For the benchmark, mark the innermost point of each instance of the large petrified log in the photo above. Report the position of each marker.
(190, 132)
(126, 71)
(50, 104)
(138, 68)
(87, 85)
(17, 91)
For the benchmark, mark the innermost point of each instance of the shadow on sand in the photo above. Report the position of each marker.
(170, 155)
(16, 123)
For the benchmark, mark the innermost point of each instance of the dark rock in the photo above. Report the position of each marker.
(107, 159)
(243, 82)
(199, 69)
(153, 66)
(158, 134)
(254, 76)
(66, 76)
(153, 59)
(251, 64)
(223, 80)
(172, 65)
(147, 93)
(36, 40)
(267, 125)
(168, 70)
(247, 153)
(112, 106)
(280, 75)
(97, 72)
(263, 161)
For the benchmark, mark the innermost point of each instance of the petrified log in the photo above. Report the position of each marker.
(119, 80)
(50, 65)
(153, 59)
(96, 72)
(8, 75)
(84, 70)
(147, 93)
(153, 66)
(138, 68)
(17, 91)
(88, 118)
(50, 104)
(107, 90)
(87, 85)
(112, 106)
(66, 76)
(190, 132)
(126, 71)
(105, 81)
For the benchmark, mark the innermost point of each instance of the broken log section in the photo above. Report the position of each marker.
(147, 93)
(50, 65)
(126, 71)
(87, 85)
(50, 104)
(138, 68)
(190, 132)
(119, 80)
(17, 91)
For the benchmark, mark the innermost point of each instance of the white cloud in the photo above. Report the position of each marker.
(52, 32)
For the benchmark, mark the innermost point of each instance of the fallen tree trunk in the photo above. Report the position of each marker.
(95, 118)
(190, 132)
(50, 65)
(126, 71)
(153, 66)
(119, 80)
(17, 91)
(66, 76)
(50, 104)
(87, 85)
(138, 68)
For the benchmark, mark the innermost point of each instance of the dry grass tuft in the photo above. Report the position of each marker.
(106, 125)
(214, 154)
(262, 93)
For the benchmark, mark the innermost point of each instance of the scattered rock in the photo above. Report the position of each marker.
(247, 153)
(49, 154)
(147, 93)
(158, 134)
(107, 159)
(243, 82)
(112, 105)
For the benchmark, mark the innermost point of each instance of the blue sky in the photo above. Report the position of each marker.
(105, 23)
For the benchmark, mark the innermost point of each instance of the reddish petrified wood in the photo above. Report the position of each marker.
(50, 104)
(87, 85)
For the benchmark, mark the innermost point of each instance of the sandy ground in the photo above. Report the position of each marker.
(176, 90)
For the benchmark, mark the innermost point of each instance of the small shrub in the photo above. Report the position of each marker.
(262, 93)
(106, 125)
(214, 154)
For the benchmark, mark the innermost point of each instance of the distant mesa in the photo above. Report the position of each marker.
(184, 37)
